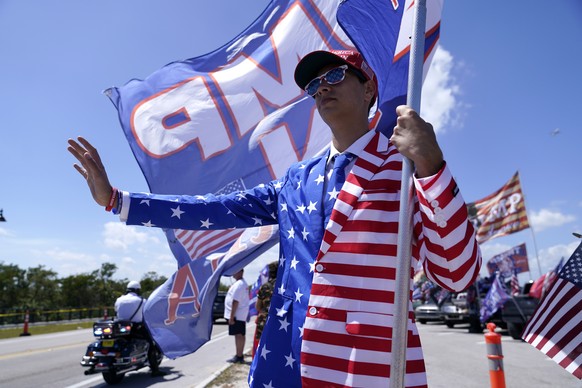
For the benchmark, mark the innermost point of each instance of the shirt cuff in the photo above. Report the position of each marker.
(427, 181)
(124, 212)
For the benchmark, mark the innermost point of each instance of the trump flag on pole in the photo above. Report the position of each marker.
(495, 298)
(556, 327)
(500, 213)
(509, 262)
(233, 119)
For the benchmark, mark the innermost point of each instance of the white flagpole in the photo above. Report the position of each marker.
(533, 235)
(402, 290)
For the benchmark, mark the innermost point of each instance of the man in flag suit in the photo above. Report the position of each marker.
(330, 322)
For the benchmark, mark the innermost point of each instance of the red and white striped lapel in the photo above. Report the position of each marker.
(367, 164)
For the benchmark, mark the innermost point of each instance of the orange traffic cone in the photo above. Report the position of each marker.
(25, 328)
(495, 356)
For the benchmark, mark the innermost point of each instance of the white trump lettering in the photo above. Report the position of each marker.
(183, 114)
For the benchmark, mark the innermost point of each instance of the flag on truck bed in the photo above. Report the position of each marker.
(556, 327)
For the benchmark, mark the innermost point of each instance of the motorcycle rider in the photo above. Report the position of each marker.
(129, 307)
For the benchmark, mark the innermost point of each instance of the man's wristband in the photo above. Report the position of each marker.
(112, 199)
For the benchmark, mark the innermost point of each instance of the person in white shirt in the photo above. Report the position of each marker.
(129, 307)
(236, 310)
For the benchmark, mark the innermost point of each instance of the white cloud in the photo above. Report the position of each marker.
(492, 249)
(117, 235)
(133, 264)
(546, 218)
(440, 104)
(551, 256)
(65, 262)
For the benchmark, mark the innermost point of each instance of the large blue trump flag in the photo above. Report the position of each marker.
(233, 119)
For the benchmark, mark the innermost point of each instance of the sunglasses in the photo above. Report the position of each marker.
(332, 77)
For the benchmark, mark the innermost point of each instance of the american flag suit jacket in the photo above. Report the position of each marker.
(330, 321)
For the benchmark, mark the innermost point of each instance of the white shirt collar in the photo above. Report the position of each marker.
(356, 148)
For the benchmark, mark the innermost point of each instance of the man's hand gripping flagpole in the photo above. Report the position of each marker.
(402, 291)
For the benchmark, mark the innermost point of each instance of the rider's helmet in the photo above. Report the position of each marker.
(133, 286)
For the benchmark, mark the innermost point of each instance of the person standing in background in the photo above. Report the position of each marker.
(263, 303)
(236, 310)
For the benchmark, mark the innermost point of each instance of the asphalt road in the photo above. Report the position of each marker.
(52, 361)
(454, 358)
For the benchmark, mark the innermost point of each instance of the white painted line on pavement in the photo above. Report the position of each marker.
(86, 382)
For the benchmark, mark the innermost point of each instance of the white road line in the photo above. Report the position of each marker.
(86, 382)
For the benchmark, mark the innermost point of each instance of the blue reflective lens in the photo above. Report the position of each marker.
(332, 77)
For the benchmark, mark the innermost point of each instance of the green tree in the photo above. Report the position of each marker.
(150, 281)
(43, 288)
(78, 291)
(12, 286)
(107, 289)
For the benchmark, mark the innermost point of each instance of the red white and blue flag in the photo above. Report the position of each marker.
(495, 299)
(512, 261)
(234, 118)
(542, 284)
(556, 327)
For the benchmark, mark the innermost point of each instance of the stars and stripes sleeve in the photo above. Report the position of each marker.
(241, 209)
(446, 244)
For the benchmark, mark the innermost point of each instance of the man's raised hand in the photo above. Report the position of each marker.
(92, 169)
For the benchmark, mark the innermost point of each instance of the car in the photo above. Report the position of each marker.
(455, 309)
(428, 312)
(218, 306)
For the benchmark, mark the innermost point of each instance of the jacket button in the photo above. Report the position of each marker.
(434, 203)
(312, 311)
(319, 268)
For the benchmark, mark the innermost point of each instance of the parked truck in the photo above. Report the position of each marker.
(517, 311)
(464, 307)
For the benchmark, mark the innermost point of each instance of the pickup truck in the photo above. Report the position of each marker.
(517, 311)
(512, 316)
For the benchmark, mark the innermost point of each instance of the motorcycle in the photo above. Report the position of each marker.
(121, 347)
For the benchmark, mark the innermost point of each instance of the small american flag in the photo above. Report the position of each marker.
(556, 327)
(514, 284)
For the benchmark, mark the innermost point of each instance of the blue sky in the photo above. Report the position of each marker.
(505, 77)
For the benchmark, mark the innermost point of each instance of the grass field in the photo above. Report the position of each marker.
(44, 329)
